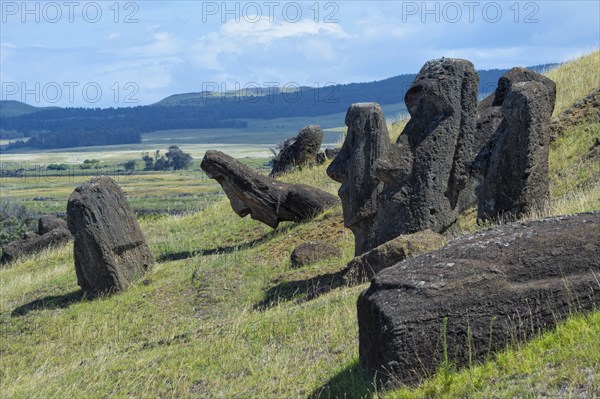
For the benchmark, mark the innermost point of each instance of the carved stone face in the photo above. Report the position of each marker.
(366, 141)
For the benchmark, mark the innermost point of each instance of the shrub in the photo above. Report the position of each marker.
(15, 220)
(57, 166)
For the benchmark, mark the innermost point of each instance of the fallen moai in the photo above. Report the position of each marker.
(262, 197)
(477, 295)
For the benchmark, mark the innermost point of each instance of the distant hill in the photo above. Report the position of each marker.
(10, 108)
(74, 127)
(386, 91)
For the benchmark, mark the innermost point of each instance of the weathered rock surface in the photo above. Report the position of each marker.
(328, 154)
(489, 110)
(367, 141)
(47, 223)
(436, 146)
(313, 251)
(33, 243)
(110, 250)
(364, 267)
(478, 295)
(514, 165)
(300, 151)
(413, 185)
(262, 197)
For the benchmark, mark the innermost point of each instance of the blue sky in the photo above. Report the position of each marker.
(119, 53)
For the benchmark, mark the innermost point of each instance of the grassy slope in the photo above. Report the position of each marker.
(10, 108)
(220, 316)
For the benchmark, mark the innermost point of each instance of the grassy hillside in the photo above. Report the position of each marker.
(9, 108)
(224, 315)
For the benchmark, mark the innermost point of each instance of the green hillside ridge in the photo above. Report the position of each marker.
(222, 314)
(10, 108)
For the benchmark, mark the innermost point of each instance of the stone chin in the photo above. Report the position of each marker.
(353, 212)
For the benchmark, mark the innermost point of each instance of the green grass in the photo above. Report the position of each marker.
(146, 191)
(223, 315)
(560, 364)
(575, 79)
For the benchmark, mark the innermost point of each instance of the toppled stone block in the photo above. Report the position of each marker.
(477, 295)
(262, 197)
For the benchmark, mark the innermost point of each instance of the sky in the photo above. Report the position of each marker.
(128, 53)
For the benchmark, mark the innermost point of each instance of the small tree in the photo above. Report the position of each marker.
(178, 159)
(130, 165)
(148, 161)
(161, 163)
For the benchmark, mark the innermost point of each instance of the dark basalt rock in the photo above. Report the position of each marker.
(364, 267)
(33, 243)
(436, 146)
(299, 151)
(328, 154)
(262, 197)
(513, 167)
(48, 223)
(313, 251)
(412, 185)
(489, 110)
(110, 250)
(489, 118)
(478, 295)
(366, 142)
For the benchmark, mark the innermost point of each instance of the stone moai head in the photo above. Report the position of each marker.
(367, 141)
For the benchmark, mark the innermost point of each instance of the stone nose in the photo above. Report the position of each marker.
(337, 169)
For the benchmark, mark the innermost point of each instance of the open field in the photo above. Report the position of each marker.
(253, 142)
(120, 153)
(187, 191)
(223, 314)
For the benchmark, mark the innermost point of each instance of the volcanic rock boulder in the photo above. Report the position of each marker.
(33, 243)
(328, 154)
(514, 168)
(413, 185)
(364, 267)
(300, 151)
(478, 295)
(262, 197)
(313, 251)
(367, 141)
(110, 250)
(47, 223)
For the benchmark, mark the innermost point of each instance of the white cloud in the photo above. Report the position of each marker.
(263, 31)
(247, 39)
(113, 36)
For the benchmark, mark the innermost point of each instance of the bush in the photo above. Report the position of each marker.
(15, 220)
(57, 166)
(90, 163)
(130, 165)
(178, 159)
